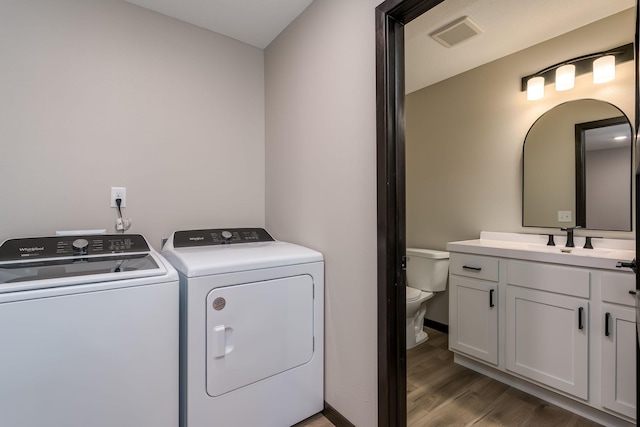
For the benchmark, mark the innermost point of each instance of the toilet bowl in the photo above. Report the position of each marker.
(427, 272)
(416, 310)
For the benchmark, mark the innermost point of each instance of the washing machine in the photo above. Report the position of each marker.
(251, 328)
(88, 333)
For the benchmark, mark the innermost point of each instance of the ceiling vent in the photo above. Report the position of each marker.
(456, 32)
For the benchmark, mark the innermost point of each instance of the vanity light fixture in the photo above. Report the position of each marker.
(601, 64)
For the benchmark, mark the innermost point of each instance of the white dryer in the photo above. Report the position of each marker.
(88, 333)
(252, 325)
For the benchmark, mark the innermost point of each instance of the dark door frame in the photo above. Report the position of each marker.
(580, 162)
(391, 17)
(637, 179)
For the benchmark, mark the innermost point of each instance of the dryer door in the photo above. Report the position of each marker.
(257, 330)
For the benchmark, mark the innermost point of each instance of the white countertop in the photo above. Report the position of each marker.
(533, 247)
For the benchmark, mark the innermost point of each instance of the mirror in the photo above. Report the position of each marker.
(577, 168)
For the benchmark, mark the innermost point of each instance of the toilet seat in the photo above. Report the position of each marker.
(414, 294)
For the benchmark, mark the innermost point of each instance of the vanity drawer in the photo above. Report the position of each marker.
(616, 287)
(551, 278)
(478, 267)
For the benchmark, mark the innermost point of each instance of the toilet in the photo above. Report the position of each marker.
(427, 272)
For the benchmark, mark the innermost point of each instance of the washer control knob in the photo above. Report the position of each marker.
(80, 247)
(226, 235)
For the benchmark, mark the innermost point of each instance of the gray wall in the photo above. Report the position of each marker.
(321, 180)
(608, 183)
(465, 136)
(102, 93)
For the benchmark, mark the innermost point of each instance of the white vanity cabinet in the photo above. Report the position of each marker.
(555, 322)
(618, 344)
(474, 282)
(547, 314)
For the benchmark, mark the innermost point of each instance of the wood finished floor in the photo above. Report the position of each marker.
(317, 420)
(442, 393)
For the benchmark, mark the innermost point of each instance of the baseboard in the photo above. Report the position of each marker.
(436, 325)
(335, 417)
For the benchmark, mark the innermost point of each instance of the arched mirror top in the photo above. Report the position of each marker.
(577, 166)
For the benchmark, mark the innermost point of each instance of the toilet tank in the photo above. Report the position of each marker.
(427, 269)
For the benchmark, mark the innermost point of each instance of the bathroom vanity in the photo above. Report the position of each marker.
(556, 322)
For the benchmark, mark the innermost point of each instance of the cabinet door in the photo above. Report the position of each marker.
(473, 318)
(546, 339)
(619, 360)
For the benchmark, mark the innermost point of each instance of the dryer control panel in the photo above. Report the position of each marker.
(219, 236)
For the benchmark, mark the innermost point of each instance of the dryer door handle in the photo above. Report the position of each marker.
(219, 343)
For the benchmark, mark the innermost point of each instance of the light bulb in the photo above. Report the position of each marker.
(565, 77)
(604, 69)
(535, 88)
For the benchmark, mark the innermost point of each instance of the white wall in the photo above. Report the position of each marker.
(102, 93)
(321, 180)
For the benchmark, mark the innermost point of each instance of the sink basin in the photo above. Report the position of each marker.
(564, 250)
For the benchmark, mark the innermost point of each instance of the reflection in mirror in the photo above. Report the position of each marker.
(565, 182)
(603, 181)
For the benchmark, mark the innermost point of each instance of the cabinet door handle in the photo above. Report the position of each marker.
(466, 267)
(491, 304)
(580, 325)
(632, 265)
(632, 292)
(607, 316)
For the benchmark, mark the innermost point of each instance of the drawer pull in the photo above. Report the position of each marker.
(632, 292)
(466, 267)
(607, 316)
(632, 265)
(491, 304)
(580, 325)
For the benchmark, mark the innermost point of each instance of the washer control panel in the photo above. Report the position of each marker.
(219, 236)
(71, 246)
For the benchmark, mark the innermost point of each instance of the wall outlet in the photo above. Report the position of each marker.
(118, 193)
(564, 216)
(123, 224)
